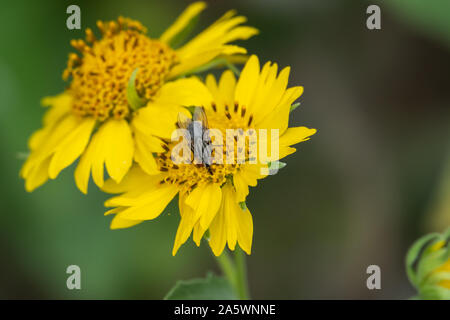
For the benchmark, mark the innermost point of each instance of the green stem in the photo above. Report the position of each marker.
(233, 68)
(241, 274)
(235, 272)
(227, 267)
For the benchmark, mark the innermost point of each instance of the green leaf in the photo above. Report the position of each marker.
(209, 288)
(428, 263)
(433, 292)
(294, 106)
(243, 205)
(274, 166)
(134, 100)
(413, 255)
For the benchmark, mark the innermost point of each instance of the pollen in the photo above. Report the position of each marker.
(189, 176)
(101, 71)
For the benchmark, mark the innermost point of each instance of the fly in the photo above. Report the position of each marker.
(196, 132)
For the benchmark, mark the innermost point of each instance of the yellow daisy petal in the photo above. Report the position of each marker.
(71, 148)
(205, 201)
(183, 21)
(186, 224)
(37, 176)
(120, 223)
(143, 152)
(231, 225)
(247, 82)
(227, 86)
(213, 42)
(151, 205)
(199, 231)
(120, 149)
(59, 105)
(136, 179)
(295, 135)
(184, 92)
(112, 145)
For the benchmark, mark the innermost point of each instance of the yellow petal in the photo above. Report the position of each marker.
(83, 170)
(38, 137)
(112, 145)
(241, 186)
(227, 86)
(60, 105)
(136, 179)
(120, 223)
(291, 95)
(37, 176)
(157, 119)
(198, 233)
(201, 58)
(71, 147)
(245, 229)
(136, 193)
(183, 20)
(120, 148)
(185, 92)
(99, 150)
(212, 86)
(205, 202)
(277, 90)
(143, 154)
(50, 142)
(150, 205)
(295, 135)
(231, 224)
(247, 82)
(212, 42)
(186, 224)
(113, 211)
(218, 234)
(213, 37)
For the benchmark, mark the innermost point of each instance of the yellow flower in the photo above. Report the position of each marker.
(211, 197)
(98, 101)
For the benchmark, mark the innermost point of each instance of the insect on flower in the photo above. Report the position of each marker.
(196, 134)
(124, 95)
(212, 198)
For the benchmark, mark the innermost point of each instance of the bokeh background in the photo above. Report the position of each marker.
(374, 178)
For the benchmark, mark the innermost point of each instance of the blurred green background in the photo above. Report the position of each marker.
(375, 177)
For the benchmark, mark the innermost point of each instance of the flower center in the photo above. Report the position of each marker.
(189, 176)
(100, 76)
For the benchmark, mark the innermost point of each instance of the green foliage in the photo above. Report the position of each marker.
(425, 256)
(294, 106)
(209, 288)
(274, 166)
(430, 17)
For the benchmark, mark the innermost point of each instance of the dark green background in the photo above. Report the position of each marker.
(358, 193)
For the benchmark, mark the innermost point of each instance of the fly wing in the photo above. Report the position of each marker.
(183, 121)
(200, 115)
(197, 148)
(207, 154)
